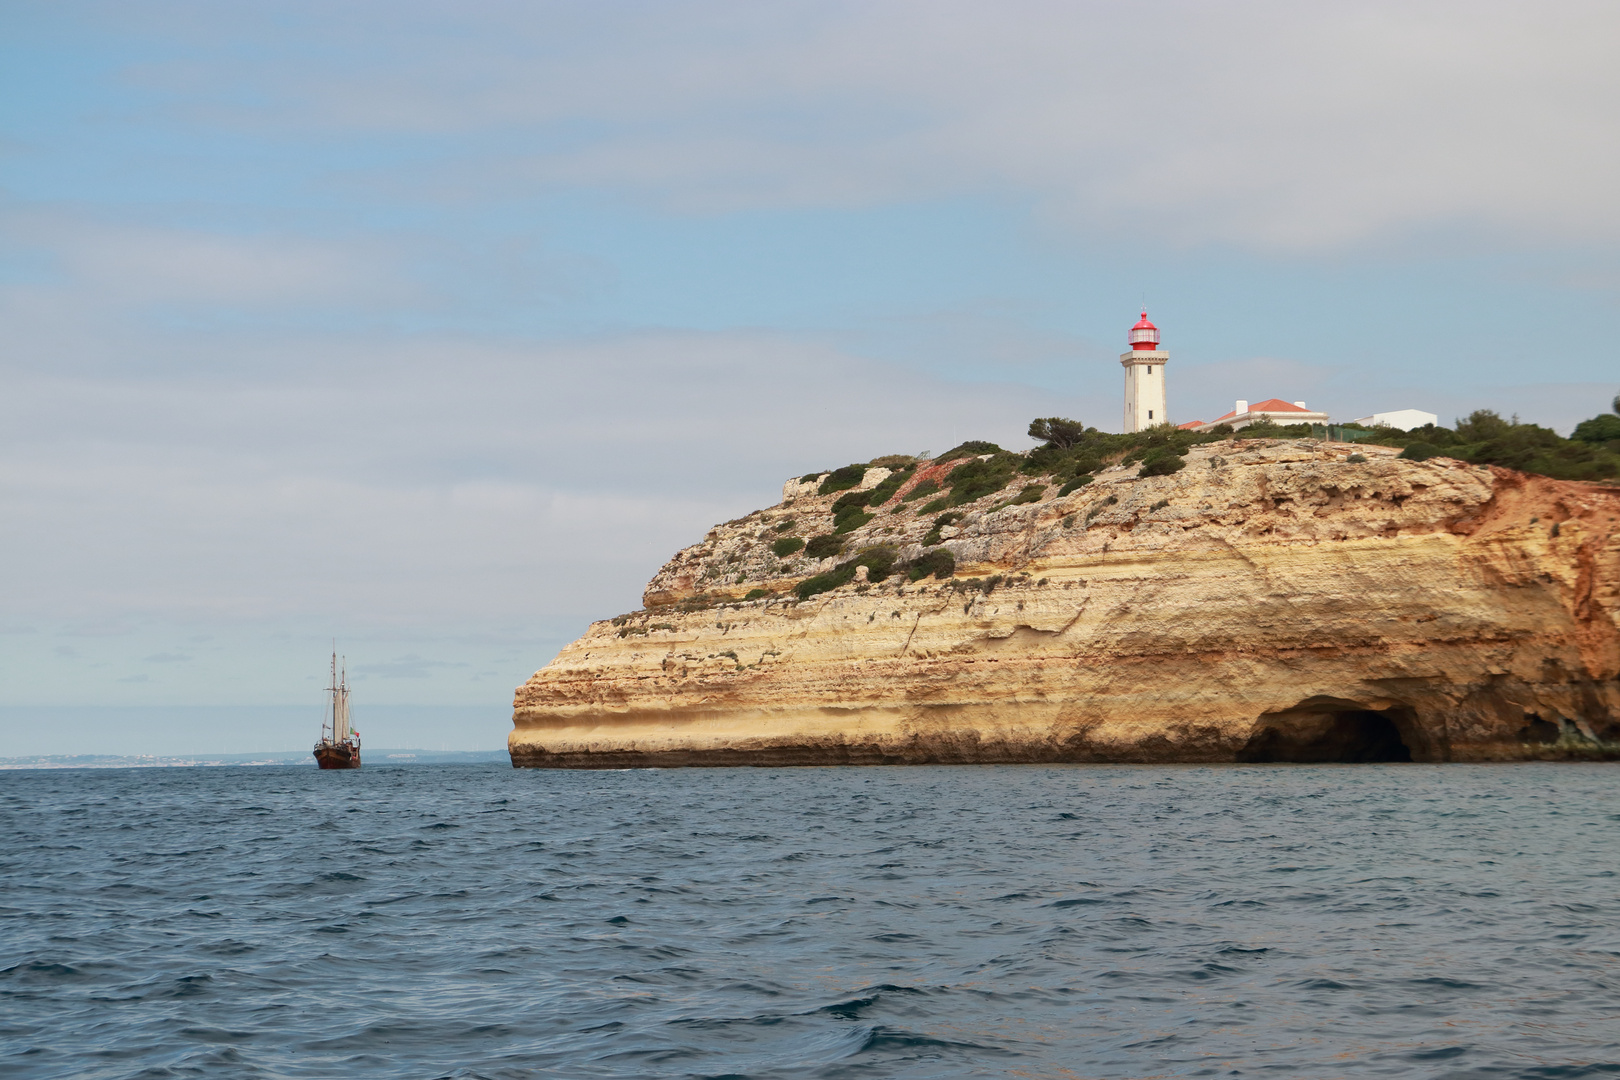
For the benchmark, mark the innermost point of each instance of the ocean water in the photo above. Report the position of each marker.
(479, 921)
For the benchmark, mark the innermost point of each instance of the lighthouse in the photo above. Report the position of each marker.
(1144, 378)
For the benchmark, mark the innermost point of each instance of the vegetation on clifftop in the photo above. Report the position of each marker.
(1485, 438)
(1592, 452)
(862, 523)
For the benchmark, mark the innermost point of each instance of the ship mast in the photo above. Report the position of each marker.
(329, 728)
(340, 703)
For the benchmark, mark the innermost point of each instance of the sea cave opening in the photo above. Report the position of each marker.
(1329, 732)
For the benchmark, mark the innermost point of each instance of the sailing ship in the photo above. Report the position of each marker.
(339, 747)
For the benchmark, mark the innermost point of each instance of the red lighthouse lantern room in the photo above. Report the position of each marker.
(1144, 335)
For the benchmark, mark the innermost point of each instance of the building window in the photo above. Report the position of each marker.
(1150, 414)
(1150, 371)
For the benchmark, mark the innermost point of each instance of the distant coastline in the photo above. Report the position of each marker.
(298, 758)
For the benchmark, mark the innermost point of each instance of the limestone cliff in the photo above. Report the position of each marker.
(1271, 601)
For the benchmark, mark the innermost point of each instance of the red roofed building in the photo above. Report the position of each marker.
(1274, 409)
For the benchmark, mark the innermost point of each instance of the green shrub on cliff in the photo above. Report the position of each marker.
(824, 546)
(940, 522)
(786, 546)
(879, 562)
(1032, 493)
(824, 582)
(939, 562)
(891, 484)
(847, 511)
(842, 479)
(1162, 461)
(850, 521)
(971, 448)
(922, 490)
(976, 479)
(1600, 429)
(1078, 452)
(1270, 429)
(853, 499)
(1486, 438)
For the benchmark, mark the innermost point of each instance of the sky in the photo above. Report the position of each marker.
(433, 329)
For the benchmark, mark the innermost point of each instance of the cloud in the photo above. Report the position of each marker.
(1267, 125)
(126, 264)
(166, 658)
(444, 481)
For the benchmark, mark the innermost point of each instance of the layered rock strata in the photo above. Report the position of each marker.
(1270, 601)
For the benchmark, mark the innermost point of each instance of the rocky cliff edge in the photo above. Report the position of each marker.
(1271, 601)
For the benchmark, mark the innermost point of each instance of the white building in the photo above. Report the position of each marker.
(1404, 419)
(1275, 409)
(1144, 378)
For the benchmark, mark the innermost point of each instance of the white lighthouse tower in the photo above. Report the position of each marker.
(1144, 378)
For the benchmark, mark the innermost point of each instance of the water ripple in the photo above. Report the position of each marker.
(483, 922)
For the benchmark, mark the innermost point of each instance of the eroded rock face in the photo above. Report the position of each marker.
(1273, 601)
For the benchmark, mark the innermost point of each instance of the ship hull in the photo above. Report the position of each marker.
(337, 756)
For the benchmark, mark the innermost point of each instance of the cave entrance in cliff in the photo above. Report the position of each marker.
(1326, 730)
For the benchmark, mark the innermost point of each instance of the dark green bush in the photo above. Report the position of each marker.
(1032, 493)
(755, 594)
(879, 563)
(1485, 438)
(786, 525)
(786, 546)
(846, 510)
(939, 562)
(855, 499)
(971, 448)
(975, 479)
(1044, 460)
(936, 505)
(1162, 461)
(926, 488)
(1074, 485)
(940, 522)
(891, 484)
(824, 546)
(1600, 429)
(842, 479)
(1420, 451)
(851, 520)
(832, 579)
(1270, 429)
